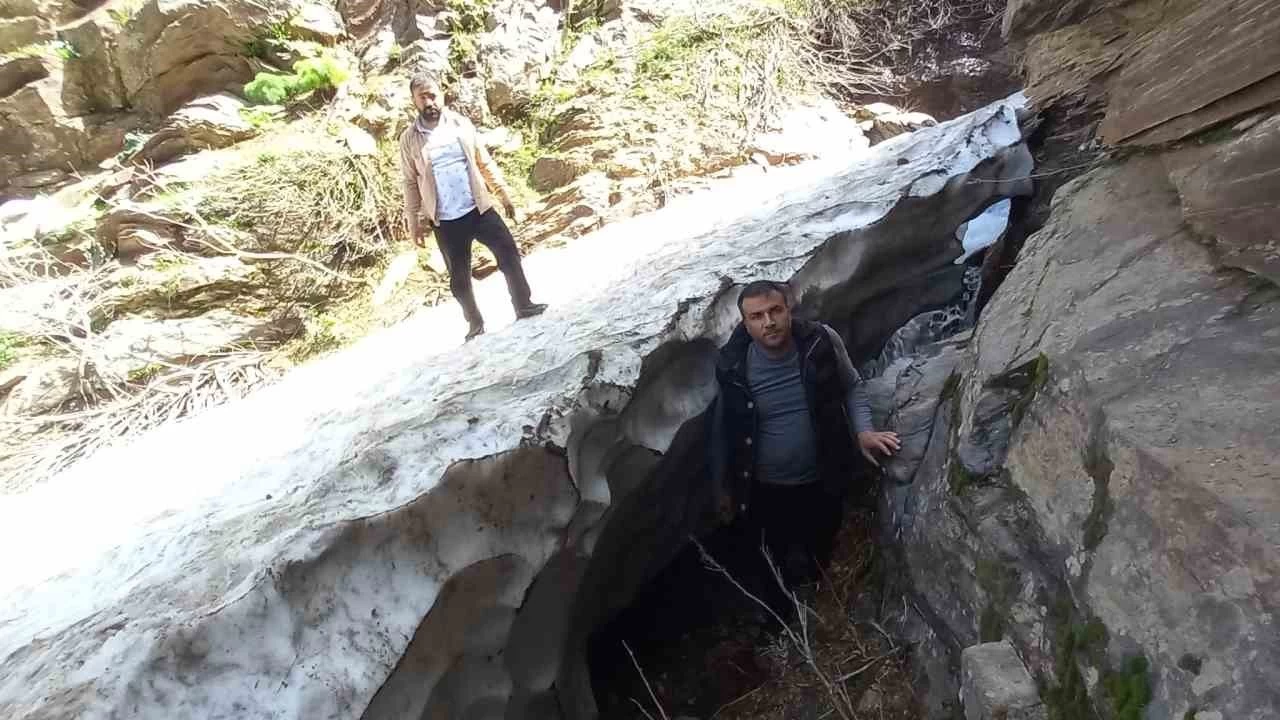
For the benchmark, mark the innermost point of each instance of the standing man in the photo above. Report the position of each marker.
(446, 171)
(789, 427)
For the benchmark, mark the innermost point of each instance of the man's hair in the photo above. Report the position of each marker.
(423, 80)
(762, 288)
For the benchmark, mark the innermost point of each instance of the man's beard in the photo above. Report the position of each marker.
(429, 114)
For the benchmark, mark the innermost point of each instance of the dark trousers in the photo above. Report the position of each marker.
(454, 239)
(797, 526)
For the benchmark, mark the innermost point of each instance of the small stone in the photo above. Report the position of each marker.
(870, 701)
(996, 685)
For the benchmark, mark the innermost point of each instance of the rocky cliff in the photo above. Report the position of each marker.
(1093, 474)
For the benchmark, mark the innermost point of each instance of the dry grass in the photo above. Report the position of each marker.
(831, 660)
(314, 220)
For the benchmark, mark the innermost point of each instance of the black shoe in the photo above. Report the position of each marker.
(475, 331)
(531, 310)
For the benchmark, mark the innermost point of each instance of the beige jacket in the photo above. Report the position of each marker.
(420, 181)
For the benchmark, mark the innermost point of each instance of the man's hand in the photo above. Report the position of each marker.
(884, 443)
(513, 212)
(420, 237)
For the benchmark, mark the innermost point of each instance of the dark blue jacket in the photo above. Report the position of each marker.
(732, 432)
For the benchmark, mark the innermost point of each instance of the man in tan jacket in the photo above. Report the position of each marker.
(447, 176)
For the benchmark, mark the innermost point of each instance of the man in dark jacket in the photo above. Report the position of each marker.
(791, 430)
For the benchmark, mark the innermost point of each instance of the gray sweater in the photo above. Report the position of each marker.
(787, 449)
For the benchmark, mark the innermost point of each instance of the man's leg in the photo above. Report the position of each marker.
(453, 237)
(493, 232)
(826, 508)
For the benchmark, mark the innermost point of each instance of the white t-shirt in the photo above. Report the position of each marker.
(449, 165)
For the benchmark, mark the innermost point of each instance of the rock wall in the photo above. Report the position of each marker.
(386, 536)
(1093, 475)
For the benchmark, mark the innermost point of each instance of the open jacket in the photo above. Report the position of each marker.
(827, 376)
(420, 180)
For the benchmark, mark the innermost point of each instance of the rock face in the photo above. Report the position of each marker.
(205, 123)
(385, 537)
(119, 69)
(1093, 478)
(1099, 480)
(1159, 71)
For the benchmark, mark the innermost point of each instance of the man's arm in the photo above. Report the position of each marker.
(859, 406)
(412, 196)
(857, 400)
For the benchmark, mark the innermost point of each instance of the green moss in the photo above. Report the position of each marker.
(992, 624)
(9, 345)
(1031, 377)
(958, 479)
(999, 581)
(1129, 688)
(951, 387)
(1098, 464)
(145, 374)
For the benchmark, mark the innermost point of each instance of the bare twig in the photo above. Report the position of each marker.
(647, 686)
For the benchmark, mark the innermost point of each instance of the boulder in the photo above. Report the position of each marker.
(391, 535)
(173, 51)
(209, 122)
(39, 388)
(881, 121)
(997, 686)
(467, 97)
(318, 23)
(175, 285)
(517, 51)
(22, 31)
(553, 171)
(133, 344)
(18, 71)
(131, 229)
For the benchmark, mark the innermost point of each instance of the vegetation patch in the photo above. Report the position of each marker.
(10, 343)
(999, 580)
(1099, 466)
(1129, 688)
(325, 72)
(469, 18)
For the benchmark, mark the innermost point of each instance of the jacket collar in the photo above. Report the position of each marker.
(733, 356)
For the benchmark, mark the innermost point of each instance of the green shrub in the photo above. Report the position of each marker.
(321, 72)
(270, 88)
(318, 73)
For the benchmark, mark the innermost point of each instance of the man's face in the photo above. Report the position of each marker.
(768, 320)
(429, 100)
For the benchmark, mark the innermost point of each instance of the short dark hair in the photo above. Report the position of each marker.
(762, 288)
(423, 79)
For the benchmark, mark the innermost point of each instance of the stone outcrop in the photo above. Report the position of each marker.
(386, 536)
(1092, 476)
(205, 123)
(517, 50)
(1095, 478)
(996, 685)
(1158, 71)
(118, 69)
